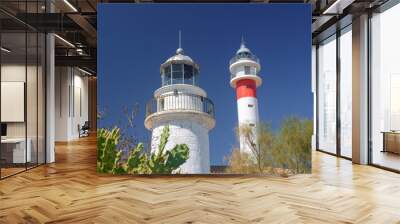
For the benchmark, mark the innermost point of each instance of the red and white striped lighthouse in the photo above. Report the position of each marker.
(244, 68)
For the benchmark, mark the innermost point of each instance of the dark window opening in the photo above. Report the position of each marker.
(162, 104)
(247, 70)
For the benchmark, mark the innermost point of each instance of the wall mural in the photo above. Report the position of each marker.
(245, 110)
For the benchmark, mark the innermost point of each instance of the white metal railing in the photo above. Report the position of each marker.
(180, 101)
(247, 56)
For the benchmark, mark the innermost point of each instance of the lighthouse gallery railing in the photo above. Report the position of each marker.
(239, 57)
(180, 101)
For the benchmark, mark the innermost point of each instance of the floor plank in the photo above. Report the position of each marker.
(70, 191)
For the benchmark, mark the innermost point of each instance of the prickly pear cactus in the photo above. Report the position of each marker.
(165, 162)
(136, 163)
(176, 157)
(107, 157)
(160, 162)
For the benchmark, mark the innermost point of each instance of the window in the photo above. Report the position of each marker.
(385, 88)
(346, 92)
(161, 104)
(177, 73)
(250, 105)
(327, 95)
(166, 77)
(247, 70)
(195, 76)
(188, 74)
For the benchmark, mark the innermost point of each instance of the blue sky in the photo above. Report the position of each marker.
(135, 39)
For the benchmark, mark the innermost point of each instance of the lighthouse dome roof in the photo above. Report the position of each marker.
(180, 58)
(244, 53)
(243, 49)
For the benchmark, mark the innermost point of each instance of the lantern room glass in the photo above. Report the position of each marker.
(179, 74)
(188, 74)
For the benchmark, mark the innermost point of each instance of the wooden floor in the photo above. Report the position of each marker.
(5, 172)
(70, 191)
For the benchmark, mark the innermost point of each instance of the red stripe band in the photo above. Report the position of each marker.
(245, 88)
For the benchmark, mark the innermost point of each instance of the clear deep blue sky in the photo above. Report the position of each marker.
(134, 39)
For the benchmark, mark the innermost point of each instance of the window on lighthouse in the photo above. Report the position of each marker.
(247, 70)
(188, 74)
(177, 74)
(195, 77)
(167, 76)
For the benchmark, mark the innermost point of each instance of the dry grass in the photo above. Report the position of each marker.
(243, 163)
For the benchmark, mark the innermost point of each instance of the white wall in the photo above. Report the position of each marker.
(188, 125)
(16, 73)
(12, 73)
(71, 102)
(186, 129)
(33, 126)
(247, 114)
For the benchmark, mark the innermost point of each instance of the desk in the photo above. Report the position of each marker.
(15, 148)
(391, 141)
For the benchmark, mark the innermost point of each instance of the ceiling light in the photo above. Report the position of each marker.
(65, 41)
(84, 71)
(70, 5)
(5, 50)
(337, 7)
(331, 7)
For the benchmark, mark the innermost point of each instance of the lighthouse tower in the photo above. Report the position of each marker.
(244, 68)
(182, 105)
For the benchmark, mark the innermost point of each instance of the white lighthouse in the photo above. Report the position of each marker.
(184, 106)
(244, 68)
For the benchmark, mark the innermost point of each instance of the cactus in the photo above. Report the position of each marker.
(136, 163)
(176, 157)
(107, 157)
(166, 162)
(161, 162)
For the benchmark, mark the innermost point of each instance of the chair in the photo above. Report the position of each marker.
(84, 130)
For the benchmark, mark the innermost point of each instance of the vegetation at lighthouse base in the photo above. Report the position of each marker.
(161, 162)
(285, 152)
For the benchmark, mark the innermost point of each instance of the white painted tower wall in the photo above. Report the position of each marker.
(179, 106)
(247, 114)
(186, 129)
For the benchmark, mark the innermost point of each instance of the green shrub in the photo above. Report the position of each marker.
(160, 162)
(286, 152)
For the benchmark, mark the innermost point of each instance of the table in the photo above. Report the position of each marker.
(13, 150)
(391, 141)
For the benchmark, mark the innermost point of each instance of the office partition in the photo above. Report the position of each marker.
(22, 77)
